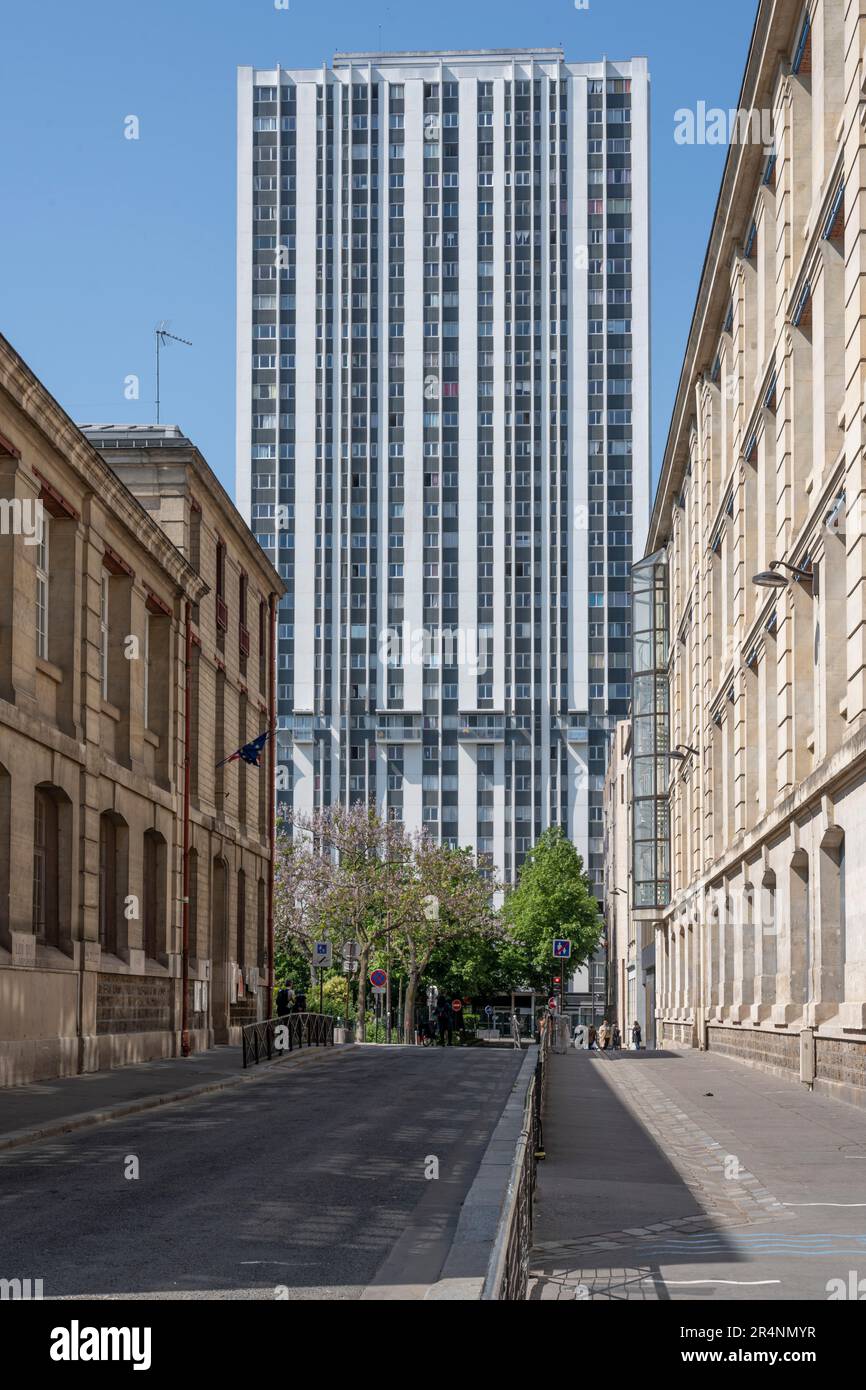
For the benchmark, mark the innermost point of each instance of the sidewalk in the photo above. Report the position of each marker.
(48, 1108)
(681, 1175)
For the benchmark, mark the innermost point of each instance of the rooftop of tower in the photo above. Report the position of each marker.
(436, 54)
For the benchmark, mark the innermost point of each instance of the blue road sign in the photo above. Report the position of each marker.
(562, 950)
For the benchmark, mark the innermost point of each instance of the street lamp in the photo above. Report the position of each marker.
(773, 579)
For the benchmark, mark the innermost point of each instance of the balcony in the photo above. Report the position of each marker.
(222, 614)
(302, 727)
(398, 727)
(244, 641)
(482, 728)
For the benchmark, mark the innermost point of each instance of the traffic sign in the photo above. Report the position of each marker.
(378, 978)
(457, 1005)
(379, 989)
(489, 1010)
(351, 950)
(552, 1005)
(322, 955)
(562, 950)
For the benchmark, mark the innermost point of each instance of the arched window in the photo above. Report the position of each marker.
(46, 921)
(108, 885)
(113, 882)
(261, 925)
(5, 851)
(154, 901)
(242, 918)
(194, 944)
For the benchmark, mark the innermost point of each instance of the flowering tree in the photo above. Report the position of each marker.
(440, 897)
(349, 874)
(332, 878)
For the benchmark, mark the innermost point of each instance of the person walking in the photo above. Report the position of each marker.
(444, 1023)
(593, 1040)
(636, 1036)
(604, 1036)
(616, 1041)
(285, 1000)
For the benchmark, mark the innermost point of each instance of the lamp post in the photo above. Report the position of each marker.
(772, 578)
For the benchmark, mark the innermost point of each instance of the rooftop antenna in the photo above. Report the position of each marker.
(163, 337)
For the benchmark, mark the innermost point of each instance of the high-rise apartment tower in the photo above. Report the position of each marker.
(443, 427)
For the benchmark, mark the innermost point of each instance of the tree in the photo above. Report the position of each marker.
(332, 881)
(475, 967)
(348, 875)
(441, 895)
(553, 898)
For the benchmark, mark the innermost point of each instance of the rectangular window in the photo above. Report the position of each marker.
(147, 670)
(42, 592)
(103, 634)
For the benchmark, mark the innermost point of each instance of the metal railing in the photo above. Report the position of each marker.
(273, 1037)
(508, 1273)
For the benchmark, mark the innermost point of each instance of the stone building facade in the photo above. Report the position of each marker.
(94, 597)
(758, 526)
(630, 944)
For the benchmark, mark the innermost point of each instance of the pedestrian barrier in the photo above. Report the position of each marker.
(508, 1272)
(273, 1037)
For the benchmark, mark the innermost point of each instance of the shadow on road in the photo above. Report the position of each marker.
(606, 1181)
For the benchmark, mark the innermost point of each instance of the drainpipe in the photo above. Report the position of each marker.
(187, 729)
(272, 790)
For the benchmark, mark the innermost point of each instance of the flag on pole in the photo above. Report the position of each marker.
(250, 753)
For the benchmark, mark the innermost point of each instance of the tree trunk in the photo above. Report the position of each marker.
(412, 979)
(361, 1011)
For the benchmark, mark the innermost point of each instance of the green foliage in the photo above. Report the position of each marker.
(552, 899)
(291, 963)
(469, 967)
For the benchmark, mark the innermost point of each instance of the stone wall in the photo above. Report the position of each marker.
(840, 1067)
(679, 1034)
(779, 1052)
(133, 1004)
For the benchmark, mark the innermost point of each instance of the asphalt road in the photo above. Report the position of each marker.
(311, 1182)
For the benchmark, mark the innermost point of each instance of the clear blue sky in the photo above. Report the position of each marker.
(102, 237)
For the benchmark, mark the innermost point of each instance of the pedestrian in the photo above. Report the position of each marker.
(285, 1000)
(616, 1042)
(593, 1040)
(604, 1036)
(636, 1036)
(444, 1022)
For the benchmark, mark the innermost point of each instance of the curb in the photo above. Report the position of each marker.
(468, 1262)
(85, 1120)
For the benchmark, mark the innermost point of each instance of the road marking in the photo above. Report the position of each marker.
(737, 1283)
(846, 1205)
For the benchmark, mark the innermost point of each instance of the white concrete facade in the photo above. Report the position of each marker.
(443, 275)
(761, 951)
